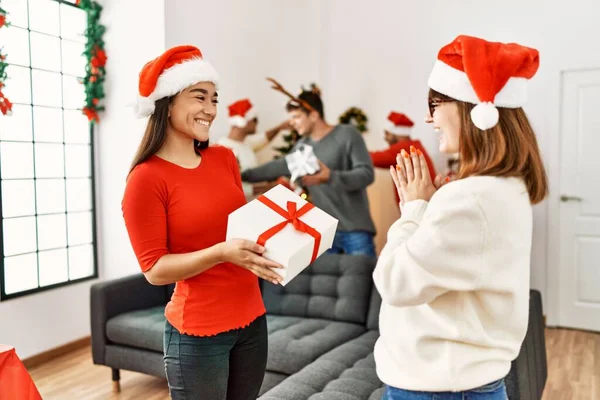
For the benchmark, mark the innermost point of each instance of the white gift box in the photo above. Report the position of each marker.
(302, 162)
(290, 247)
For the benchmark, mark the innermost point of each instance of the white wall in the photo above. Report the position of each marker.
(39, 322)
(36, 323)
(135, 35)
(248, 41)
(383, 62)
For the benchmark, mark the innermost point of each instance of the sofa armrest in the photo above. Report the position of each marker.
(118, 296)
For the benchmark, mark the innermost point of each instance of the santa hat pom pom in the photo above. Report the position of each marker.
(144, 107)
(485, 115)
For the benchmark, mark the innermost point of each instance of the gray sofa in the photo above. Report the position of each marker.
(322, 329)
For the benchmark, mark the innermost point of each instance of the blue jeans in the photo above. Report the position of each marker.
(493, 391)
(227, 366)
(354, 242)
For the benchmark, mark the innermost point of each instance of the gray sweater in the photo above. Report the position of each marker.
(344, 197)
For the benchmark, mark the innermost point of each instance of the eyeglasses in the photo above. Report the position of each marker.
(433, 103)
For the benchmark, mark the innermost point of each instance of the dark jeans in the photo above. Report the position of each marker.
(493, 391)
(227, 366)
(354, 242)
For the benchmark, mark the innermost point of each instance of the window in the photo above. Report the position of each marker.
(47, 212)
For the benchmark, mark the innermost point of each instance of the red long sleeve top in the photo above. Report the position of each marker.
(169, 209)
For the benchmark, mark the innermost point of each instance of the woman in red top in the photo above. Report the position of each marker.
(179, 194)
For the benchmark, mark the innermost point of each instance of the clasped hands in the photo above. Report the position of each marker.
(411, 177)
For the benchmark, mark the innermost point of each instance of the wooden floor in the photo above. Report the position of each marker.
(573, 365)
(573, 373)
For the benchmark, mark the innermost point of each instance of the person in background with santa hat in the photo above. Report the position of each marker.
(454, 273)
(397, 134)
(243, 121)
(178, 196)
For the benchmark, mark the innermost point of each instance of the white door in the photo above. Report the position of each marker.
(580, 200)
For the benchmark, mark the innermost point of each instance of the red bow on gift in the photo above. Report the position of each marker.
(291, 216)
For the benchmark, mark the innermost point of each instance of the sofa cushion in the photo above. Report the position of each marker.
(335, 287)
(295, 342)
(271, 380)
(143, 328)
(347, 372)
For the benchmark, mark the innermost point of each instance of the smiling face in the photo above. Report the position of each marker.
(192, 112)
(303, 122)
(445, 117)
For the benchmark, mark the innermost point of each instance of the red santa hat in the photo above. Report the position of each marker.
(488, 74)
(176, 69)
(399, 124)
(241, 112)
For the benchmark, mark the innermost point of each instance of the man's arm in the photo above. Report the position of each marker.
(266, 172)
(361, 173)
(262, 141)
(384, 158)
(271, 133)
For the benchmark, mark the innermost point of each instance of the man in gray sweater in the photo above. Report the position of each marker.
(339, 187)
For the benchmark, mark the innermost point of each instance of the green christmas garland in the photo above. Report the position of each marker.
(290, 140)
(5, 104)
(356, 117)
(96, 60)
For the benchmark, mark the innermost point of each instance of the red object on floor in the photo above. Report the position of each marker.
(15, 381)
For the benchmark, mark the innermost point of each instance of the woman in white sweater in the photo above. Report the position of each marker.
(454, 274)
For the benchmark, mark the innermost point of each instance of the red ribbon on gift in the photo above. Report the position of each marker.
(292, 216)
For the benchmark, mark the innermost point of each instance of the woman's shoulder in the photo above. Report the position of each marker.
(147, 173)
(481, 185)
(219, 150)
(488, 193)
(220, 154)
(148, 167)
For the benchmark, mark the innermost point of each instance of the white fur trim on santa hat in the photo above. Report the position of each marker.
(174, 80)
(241, 122)
(398, 130)
(456, 84)
(250, 114)
(237, 121)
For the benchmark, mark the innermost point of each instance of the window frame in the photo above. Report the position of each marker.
(3, 295)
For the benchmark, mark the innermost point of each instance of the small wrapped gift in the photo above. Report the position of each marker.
(293, 231)
(302, 162)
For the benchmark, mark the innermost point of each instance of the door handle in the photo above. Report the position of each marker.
(564, 198)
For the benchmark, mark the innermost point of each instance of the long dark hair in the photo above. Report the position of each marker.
(508, 149)
(156, 133)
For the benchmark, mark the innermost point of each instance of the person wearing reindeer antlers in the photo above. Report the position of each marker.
(345, 170)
